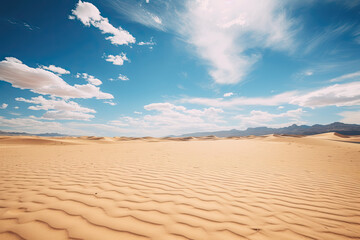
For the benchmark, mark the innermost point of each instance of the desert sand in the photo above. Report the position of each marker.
(270, 187)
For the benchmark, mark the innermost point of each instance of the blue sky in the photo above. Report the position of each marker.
(138, 67)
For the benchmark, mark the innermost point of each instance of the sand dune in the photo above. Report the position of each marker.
(270, 187)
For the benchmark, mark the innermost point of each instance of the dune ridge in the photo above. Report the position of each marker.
(269, 187)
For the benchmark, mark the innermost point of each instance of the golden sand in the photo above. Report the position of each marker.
(272, 187)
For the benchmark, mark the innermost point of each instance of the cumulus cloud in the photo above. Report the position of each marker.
(166, 118)
(59, 108)
(91, 79)
(117, 59)
(45, 82)
(55, 69)
(67, 115)
(54, 104)
(89, 15)
(123, 77)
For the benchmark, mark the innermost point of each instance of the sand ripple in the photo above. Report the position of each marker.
(274, 187)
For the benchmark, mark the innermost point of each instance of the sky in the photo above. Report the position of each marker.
(166, 67)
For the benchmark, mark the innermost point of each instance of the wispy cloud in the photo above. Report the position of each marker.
(330, 33)
(221, 32)
(352, 76)
(150, 15)
(242, 101)
(23, 24)
(335, 95)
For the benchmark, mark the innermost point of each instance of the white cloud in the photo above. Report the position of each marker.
(32, 125)
(242, 101)
(123, 77)
(335, 95)
(309, 73)
(350, 117)
(137, 112)
(89, 15)
(54, 104)
(355, 75)
(156, 19)
(110, 103)
(91, 79)
(229, 94)
(16, 107)
(44, 82)
(162, 107)
(150, 15)
(67, 115)
(60, 109)
(166, 118)
(117, 59)
(262, 118)
(222, 32)
(149, 43)
(4, 106)
(55, 69)
(331, 32)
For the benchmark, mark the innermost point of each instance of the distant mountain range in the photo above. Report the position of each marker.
(342, 128)
(3, 133)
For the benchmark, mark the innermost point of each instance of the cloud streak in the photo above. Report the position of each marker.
(335, 95)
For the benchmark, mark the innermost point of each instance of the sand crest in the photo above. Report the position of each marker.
(271, 187)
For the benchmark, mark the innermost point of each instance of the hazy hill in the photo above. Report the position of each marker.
(346, 129)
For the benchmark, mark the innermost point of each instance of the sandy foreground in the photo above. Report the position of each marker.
(272, 187)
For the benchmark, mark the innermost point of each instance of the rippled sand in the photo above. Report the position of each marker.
(271, 187)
